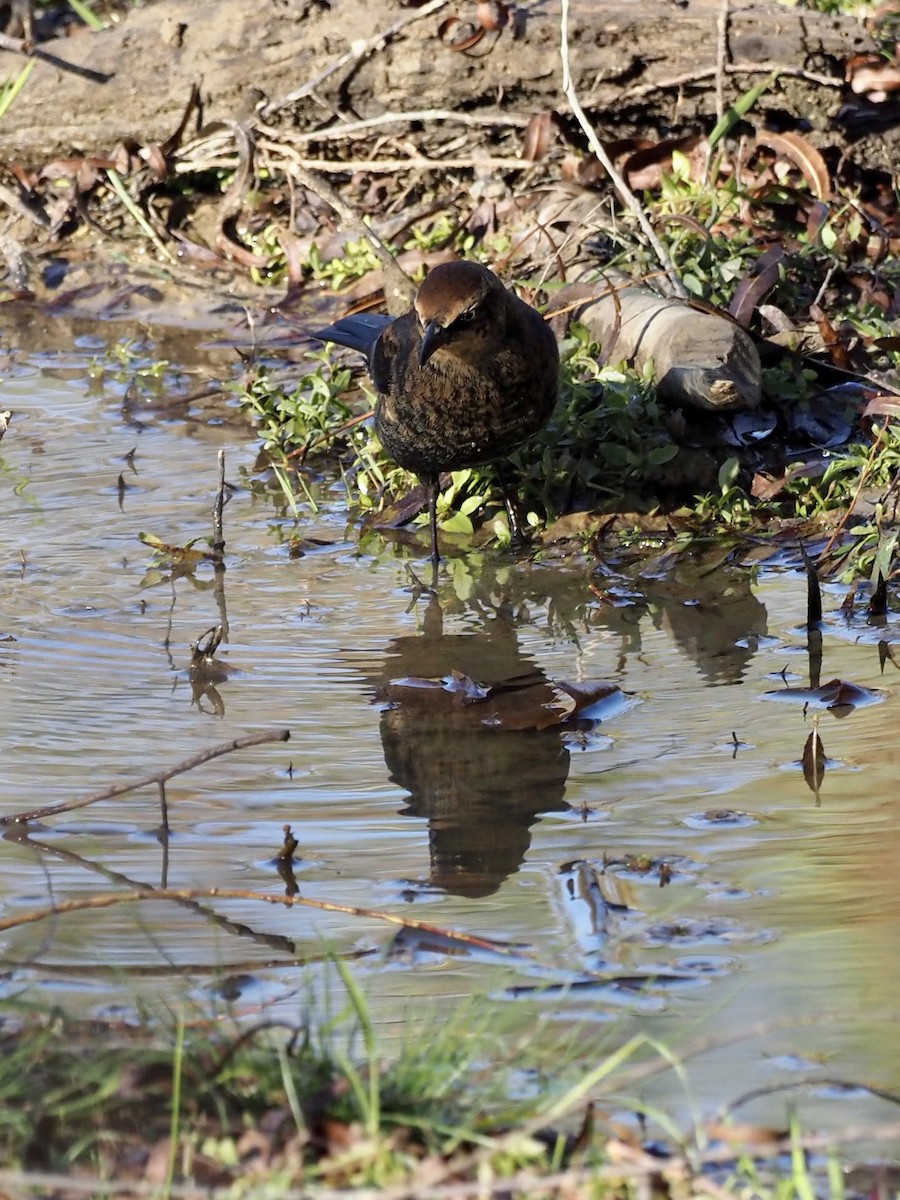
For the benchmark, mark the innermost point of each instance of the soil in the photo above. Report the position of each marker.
(646, 68)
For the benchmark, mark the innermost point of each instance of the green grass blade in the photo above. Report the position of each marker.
(87, 14)
(175, 1122)
(364, 1017)
(739, 109)
(135, 213)
(12, 88)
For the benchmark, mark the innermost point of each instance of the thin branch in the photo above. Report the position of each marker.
(398, 287)
(185, 895)
(23, 46)
(745, 68)
(188, 764)
(721, 58)
(348, 129)
(218, 544)
(625, 193)
(357, 52)
(343, 166)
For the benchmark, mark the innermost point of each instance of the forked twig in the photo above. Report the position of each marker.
(358, 51)
(626, 194)
(158, 777)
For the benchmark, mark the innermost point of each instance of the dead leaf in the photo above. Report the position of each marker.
(814, 762)
(540, 133)
(756, 285)
(836, 694)
(872, 76)
(745, 1134)
(831, 339)
(493, 14)
(885, 405)
(803, 155)
(644, 169)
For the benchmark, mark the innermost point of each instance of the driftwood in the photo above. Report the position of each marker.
(648, 67)
(700, 359)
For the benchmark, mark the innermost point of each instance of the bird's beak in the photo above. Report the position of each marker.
(433, 337)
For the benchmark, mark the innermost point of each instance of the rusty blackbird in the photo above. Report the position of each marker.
(464, 376)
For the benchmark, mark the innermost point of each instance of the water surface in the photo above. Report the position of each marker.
(779, 908)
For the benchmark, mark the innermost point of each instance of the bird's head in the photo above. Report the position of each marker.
(461, 307)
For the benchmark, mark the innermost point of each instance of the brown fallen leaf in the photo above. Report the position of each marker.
(802, 154)
(872, 76)
(746, 1134)
(885, 405)
(540, 132)
(756, 285)
(814, 761)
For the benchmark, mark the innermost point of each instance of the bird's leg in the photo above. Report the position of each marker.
(433, 493)
(511, 504)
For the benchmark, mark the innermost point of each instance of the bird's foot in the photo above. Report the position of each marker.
(420, 589)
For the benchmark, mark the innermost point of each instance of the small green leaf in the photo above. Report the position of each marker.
(662, 454)
(471, 504)
(728, 473)
(457, 523)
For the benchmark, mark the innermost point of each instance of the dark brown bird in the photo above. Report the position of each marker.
(464, 377)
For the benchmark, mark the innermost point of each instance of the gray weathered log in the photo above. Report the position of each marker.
(699, 359)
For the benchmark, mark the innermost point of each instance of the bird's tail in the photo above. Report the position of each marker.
(359, 332)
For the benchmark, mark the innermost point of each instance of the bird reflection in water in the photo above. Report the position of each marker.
(481, 786)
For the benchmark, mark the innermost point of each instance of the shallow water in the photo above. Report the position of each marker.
(778, 910)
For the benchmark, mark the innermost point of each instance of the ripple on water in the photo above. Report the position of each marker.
(681, 798)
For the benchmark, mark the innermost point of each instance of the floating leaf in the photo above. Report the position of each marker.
(814, 761)
(836, 694)
(180, 554)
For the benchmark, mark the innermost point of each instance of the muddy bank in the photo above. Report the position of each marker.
(647, 68)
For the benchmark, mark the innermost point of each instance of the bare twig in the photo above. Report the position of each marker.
(188, 764)
(740, 68)
(625, 193)
(342, 166)
(185, 895)
(398, 287)
(347, 129)
(721, 58)
(358, 50)
(23, 46)
(218, 544)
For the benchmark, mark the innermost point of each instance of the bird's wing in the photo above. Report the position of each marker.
(359, 332)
